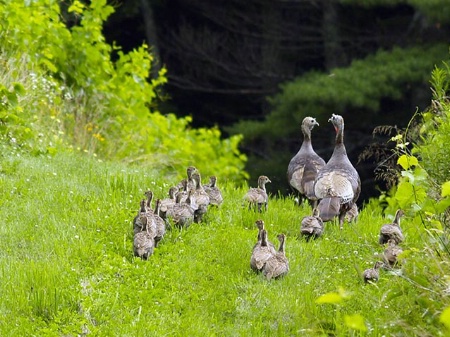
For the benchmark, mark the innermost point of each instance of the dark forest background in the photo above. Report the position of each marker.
(258, 67)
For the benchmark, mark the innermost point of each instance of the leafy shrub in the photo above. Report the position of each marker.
(102, 107)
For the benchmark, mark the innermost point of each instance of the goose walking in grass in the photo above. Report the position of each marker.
(182, 213)
(140, 220)
(189, 182)
(214, 193)
(143, 244)
(372, 274)
(160, 223)
(391, 253)
(148, 205)
(392, 230)
(337, 184)
(277, 265)
(261, 226)
(170, 201)
(312, 225)
(200, 197)
(262, 251)
(257, 197)
(303, 167)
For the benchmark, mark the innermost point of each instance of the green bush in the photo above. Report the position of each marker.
(82, 97)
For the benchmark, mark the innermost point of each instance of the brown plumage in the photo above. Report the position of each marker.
(214, 193)
(392, 230)
(260, 225)
(144, 232)
(190, 180)
(352, 214)
(199, 197)
(304, 166)
(170, 201)
(277, 265)
(149, 195)
(140, 220)
(182, 213)
(312, 225)
(262, 251)
(338, 184)
(391, 253)
(160, 223)
(372, 274)
(257, 198)
(143, 244)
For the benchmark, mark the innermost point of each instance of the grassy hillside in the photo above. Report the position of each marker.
(67, 268)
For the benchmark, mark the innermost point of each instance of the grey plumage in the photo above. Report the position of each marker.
(312, 225)
(140, 220)
(143, 244)
(337, 184)
(182, 213)
(214, 193)
(277, 265)
(257, 198)
(392, 230)
(304, 166)
(199, 197)
(160, 223)
(262, 251)
(352, 214)
(170, 201)
(372, 274)
(391, 253)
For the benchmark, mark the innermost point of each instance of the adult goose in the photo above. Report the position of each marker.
(337, 184)
(303, 167)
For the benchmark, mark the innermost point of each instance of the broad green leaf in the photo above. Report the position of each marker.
(445, 189)
(407, 162)
(355, 322)
(444, 318)
(408, 194)
(442, 205)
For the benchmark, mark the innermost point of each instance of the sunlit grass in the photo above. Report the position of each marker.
(67, 266)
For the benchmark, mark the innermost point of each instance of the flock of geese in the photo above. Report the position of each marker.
(188, 202)
(331, 188)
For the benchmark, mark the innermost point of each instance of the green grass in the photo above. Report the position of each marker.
(67, 267)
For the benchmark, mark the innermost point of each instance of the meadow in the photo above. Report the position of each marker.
(67, 266)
